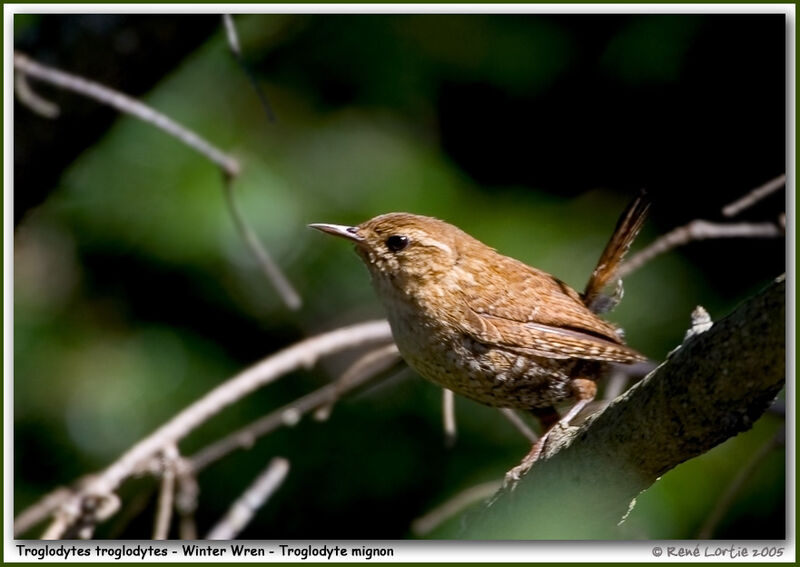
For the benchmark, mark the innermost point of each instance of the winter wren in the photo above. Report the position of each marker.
(488, 326)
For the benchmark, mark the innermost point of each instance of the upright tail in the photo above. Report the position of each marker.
(628, 226)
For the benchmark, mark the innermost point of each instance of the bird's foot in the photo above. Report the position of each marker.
(513, 476)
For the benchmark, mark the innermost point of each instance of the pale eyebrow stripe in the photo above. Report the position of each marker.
(437, 244)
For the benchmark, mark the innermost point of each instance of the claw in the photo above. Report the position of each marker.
(513, 476)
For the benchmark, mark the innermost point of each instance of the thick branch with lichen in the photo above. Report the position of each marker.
(714, 386)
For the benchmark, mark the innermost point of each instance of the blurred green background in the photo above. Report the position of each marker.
(134, 295)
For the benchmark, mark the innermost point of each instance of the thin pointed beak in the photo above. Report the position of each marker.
(348, 232)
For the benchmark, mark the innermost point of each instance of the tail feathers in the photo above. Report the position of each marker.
(628, 226)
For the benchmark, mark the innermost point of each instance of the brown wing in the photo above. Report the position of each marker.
(538, 314)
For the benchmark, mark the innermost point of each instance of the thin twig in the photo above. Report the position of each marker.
(246, 506)
(449, 417)
(430, 521)
(362, 370)
(615, 384)
(754, 196)
(40, 511)
(128, 105)
(698, 230)
(27, 96)
(302, 354)
(229, 165)
(370, 364)
(622, 375)
(77, 517)
(59, 525)
(231, 35)
(166, 496)
(263, 258)
(521, 426)
(745, 472)
(233, 44)
(186, 499)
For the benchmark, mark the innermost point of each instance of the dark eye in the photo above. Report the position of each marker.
(395, 243)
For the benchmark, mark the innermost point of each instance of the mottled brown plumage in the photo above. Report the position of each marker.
(488, 326)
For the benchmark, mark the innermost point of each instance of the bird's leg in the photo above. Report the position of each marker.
(548, 417)
(584, 391)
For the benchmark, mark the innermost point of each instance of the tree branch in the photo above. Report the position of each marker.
(363, 369)
(246, 506)
(27, 96)
(754, 196)
(263, 258)
(186, 499)
(449, 417)
(745, 472)
(166, 496)
(96, 500)
(128, 105)
(230, 167)
(698, 230)
(233, 43)
(41, 510)
(425, 524)
(714, 386)
(512, 416)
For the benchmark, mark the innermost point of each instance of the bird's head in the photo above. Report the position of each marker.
(404, 249)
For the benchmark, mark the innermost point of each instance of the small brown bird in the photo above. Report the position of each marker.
(488, 326)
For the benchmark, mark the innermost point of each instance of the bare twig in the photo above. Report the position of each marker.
(433, 519)
(302, 354)
(362, 370)
(27, 96)
(615, 384)
(77, 517)
(745, 472)
(371, 363)
(128, 105)
(622, 375)
(231, 35)
(186, 499)
(299, 355)
(59, 525)
(245, 507)
(702, 230)
(754, 196)
(698, 230)
(521, 426)
(264, 260)
(40, 511)
(229, 165)
(166, 496)
(449, 417)
(233, 44)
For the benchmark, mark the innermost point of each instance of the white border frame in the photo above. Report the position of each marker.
(410, 551)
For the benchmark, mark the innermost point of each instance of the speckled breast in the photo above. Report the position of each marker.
(491, 376)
